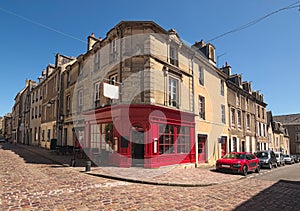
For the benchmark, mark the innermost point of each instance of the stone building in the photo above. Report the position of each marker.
(241, 110)
(292, 123)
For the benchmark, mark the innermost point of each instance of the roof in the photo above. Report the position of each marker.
(290, 119)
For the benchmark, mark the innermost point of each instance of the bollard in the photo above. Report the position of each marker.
(88, 166)
(73, 162)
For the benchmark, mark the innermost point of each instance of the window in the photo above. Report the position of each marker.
(201, 75)
(222, 87)
(97, 94)
(173, 92)
(95, 136)
(174, 56)
(247, 103)
(234, 144)
(113, 50)
(258, 111)
(232, 117)
(41, 94)
(223, 114)
(248, 121)
(201, 105)
(297, 139)
(238, 99)
(201, 143)
(263, 113)
(68, 79)
(297, 148)
(48, 134)
(97, 61)
(166, 139)
(80, 100)
(32, 113)
(68, 104)
(36, 112)
(113, 79)
(183, 140)
(80, 68)
(239, 118)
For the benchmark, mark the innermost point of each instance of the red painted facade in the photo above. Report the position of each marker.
(143, 135)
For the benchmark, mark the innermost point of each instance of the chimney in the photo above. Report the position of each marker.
(226, 69)
(91, 41)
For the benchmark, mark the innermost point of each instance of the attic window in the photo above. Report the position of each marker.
(174, 55)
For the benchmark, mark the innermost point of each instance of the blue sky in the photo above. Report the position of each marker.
(267, 53)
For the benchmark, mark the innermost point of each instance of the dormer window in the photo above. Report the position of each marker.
(174, 55)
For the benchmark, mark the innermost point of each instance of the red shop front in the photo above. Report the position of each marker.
(139, 135)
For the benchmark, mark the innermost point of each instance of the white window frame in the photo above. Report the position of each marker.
(174, 55)
(173, 91)
(239, 119)
(223, 114)
(201, 75)
(232, 116)
(222, 87)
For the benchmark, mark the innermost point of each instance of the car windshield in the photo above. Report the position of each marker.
(277, 155)
(235, 156)
(261, 154)
(286, 156)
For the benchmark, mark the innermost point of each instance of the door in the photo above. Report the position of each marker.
(137, 147)
(201, 148)
(223, 145)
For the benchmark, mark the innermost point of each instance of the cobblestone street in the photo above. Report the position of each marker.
(32, 182)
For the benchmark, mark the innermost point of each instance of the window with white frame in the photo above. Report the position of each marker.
(201, 75)
(80, 100)
(113, 79)
(97, 60)
(222, 84)
(223, 114)
(173, 92)
(113, 50)
(173, 55)
(248, 121)
(239, 118)
(232, 111)
(247, 103)
(201, 106)
(238, 99)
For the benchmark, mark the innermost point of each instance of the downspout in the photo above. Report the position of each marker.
(120, 33)
(193, 109)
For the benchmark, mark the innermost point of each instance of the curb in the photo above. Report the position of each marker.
(134, 180)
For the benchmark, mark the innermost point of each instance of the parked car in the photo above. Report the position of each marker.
(288, 159)
(238, 162)
(296, 158)
(279, 158)
(266, 158)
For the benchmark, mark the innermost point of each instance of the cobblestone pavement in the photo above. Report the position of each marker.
(31, 182)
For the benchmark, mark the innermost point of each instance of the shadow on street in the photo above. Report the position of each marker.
(281, 196)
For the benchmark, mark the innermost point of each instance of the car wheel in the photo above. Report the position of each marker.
(257, 169)
(283, 164)
(245, 170)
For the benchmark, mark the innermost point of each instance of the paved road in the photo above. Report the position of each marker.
(29, 182)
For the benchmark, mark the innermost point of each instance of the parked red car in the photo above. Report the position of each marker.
(239, 162)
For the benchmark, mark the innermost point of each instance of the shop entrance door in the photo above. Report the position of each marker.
(137, 147)
(201, 148)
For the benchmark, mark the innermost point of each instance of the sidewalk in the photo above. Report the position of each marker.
(177, 175)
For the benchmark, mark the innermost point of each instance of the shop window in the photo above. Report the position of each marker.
(95, 136)
(201, 143)
(166, 139)
(183, 140)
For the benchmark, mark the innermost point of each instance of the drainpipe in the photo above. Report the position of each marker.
(193, 108)
(120, 33)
